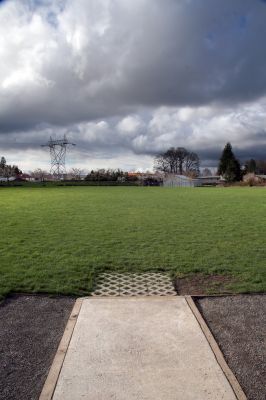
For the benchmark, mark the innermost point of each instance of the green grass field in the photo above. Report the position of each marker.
(57, 240)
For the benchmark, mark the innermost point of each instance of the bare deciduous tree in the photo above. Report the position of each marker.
(178, 161)
(206, 172)
(75, 173)
(39, 174)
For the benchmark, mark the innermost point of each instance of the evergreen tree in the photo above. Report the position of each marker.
(250, 166)
(8, 170)
(229, 166)
(2, 163)
(232, 172)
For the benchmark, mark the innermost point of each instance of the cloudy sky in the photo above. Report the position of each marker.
(126, 79)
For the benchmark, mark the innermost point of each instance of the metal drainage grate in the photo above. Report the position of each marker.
(146, 284)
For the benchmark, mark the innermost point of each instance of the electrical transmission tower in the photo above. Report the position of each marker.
(58, 150)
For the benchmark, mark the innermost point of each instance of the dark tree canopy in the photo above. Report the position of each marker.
(178, 160)
(8, 170)
(2, 163)
(255, 166)
(110, 175)
(261, 167)
(229, 166)
(250, 166)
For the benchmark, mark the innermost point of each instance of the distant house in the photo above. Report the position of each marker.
(262, 178)
(211, 180)
(173, 180)
(254, 178)
(20, 177)
(25, 177)
(4, 179)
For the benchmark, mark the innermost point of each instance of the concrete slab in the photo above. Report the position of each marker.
(140, 348)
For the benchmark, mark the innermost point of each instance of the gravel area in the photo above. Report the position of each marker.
(31, 329)
(32, 326)
(238, 324)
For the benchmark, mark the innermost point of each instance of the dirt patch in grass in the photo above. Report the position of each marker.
(238, 324)
(31, 328)
(200, 284)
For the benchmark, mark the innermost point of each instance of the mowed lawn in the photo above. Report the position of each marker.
(58, 239)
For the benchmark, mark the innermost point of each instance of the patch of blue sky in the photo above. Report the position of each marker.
(210, 41)
(51, 17)
(49, 9)
(59, 4)
(242, 22)
(237, 26)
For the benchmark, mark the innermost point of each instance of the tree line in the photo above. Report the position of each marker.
(178, 160)
(175, 160)
(110, 175)
(230, 169)
(255, 166)
(8, 171)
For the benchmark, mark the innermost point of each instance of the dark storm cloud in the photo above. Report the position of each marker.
(133, 76)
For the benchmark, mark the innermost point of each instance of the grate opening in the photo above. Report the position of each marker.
(130, 284)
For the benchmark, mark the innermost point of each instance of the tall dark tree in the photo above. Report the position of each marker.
(2, 163)
(261, 167)
(229, 166)
(8, 171)
(177, 160)
(250, 166)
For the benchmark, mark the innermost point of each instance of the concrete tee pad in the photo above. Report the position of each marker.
(140, 348)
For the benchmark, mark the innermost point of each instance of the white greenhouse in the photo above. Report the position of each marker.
(173, 180)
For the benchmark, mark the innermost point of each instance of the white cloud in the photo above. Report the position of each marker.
(130, 126)
(133, 77)
(120, 142)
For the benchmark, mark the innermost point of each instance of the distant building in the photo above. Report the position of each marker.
(172, 180)
(25, 177)
(254, 178)
(262, 178)
(211, 180)
(4, 179)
